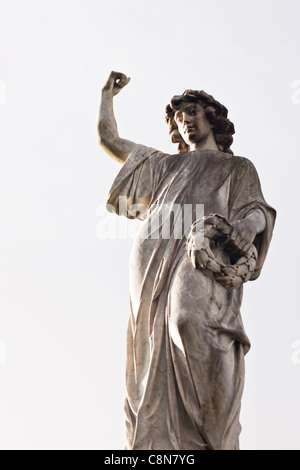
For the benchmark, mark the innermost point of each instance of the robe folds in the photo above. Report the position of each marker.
(185, 341)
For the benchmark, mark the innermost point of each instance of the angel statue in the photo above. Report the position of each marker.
(185, 341)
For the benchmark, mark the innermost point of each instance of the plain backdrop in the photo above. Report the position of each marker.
(64, 300)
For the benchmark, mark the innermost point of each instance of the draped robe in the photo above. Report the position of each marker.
(186, 341)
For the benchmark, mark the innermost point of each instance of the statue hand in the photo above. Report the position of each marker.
(242, 236)
(116, 81)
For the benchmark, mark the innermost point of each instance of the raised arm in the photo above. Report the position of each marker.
(109, 138)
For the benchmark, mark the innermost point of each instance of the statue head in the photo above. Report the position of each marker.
(214, 116)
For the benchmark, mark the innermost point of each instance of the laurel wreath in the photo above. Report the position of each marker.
(205, 233)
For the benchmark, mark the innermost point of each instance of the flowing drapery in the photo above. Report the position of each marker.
(185, 341)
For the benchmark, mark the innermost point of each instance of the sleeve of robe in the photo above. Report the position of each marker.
(132, 189)
(245, 196)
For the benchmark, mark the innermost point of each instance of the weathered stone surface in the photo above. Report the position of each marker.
(186, 341)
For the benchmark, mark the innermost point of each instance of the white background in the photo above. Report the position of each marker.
(64, 300)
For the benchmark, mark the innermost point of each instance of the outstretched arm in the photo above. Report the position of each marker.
(109, 138)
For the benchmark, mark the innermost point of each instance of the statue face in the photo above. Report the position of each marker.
(192, 123)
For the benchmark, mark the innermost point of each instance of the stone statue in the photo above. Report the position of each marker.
(186, 341)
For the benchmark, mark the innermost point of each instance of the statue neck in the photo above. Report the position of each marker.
(208, 143)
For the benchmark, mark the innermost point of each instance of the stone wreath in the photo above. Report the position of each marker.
(205, 233)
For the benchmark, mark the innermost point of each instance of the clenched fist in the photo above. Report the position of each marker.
(116, 81)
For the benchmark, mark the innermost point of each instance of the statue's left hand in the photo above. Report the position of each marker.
(242, 236)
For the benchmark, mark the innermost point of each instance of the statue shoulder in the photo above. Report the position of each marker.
(240, 161)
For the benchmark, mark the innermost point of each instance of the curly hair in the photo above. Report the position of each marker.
(215, 112)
